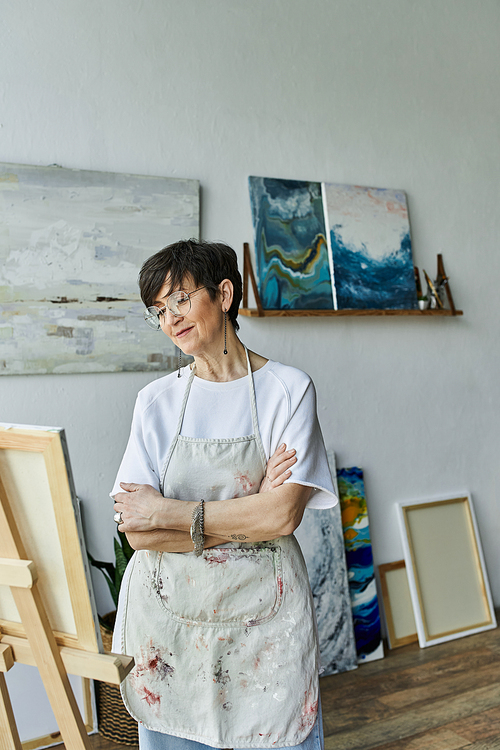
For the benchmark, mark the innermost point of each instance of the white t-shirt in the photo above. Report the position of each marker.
(286, 411)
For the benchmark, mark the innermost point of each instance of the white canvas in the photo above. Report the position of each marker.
(447, 575)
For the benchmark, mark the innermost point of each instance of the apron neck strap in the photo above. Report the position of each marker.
(184, 402)
(251, 388)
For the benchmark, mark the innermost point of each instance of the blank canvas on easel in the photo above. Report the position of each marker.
(36, 477)
(38, 495)
(49, 619)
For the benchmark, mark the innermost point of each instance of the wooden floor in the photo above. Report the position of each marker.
(440, 698)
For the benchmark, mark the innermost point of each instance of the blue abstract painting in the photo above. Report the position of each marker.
(359, 558)
(291, 252)
(321, 540)
(370, 246)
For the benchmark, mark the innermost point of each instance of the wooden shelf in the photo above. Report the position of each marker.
(254, 313)
(259, 312)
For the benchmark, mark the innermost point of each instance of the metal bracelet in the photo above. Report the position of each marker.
(197, 530)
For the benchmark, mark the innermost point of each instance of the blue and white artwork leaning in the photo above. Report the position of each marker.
(370, 247)
(290, 244)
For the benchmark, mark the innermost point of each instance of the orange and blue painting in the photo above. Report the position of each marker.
(290, 244)
(359, 559)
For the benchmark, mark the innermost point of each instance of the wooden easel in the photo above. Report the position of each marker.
(39, 646)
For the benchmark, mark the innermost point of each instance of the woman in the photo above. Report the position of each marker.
(216, 607)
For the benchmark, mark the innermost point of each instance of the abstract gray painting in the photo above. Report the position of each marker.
(322, 543)
(71, 246)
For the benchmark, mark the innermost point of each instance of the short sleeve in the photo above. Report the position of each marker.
(303, 433)
(136, 465)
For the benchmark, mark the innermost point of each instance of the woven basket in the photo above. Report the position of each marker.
(114, 721)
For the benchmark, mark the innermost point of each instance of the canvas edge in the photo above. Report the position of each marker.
(328, 237)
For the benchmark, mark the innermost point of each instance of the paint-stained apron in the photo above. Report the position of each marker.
(225, 643)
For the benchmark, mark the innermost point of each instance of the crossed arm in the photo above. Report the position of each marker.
(154, 522)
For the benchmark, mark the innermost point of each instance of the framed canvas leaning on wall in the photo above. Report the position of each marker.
(446, 571)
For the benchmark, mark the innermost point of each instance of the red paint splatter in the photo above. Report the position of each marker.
(220, 556)
(309, 713)
(149, 697)
(280, 585)
(200, 641)
(245, 482)
(152, 661)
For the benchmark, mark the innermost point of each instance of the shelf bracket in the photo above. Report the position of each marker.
(248, 271)
(442, 279)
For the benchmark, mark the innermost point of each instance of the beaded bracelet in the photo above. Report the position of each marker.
(197, 530)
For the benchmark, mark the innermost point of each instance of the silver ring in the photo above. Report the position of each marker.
(117, 518)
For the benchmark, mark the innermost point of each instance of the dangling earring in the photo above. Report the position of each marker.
(180, 364)
(225, 332)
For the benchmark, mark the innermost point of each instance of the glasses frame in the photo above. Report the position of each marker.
(150, 317)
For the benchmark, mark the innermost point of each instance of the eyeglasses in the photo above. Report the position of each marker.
(179, 303)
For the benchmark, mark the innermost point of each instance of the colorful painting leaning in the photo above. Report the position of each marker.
(359, 558)
(71, 245)
(370, 247)
(290, 244)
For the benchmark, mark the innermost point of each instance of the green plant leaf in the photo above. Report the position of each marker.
(127, 549)
(112, 590)
(105, 567)
(121, 560)
(114, 573)
(109, 572)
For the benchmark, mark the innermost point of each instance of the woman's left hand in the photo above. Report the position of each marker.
(138, 505)
(278, 468)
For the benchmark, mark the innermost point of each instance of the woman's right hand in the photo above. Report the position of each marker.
(278, 468)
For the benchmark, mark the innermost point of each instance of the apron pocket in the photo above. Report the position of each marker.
(228, 585)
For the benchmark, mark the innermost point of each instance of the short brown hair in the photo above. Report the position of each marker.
(208, 263)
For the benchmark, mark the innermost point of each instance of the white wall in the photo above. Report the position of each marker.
(388, 93)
